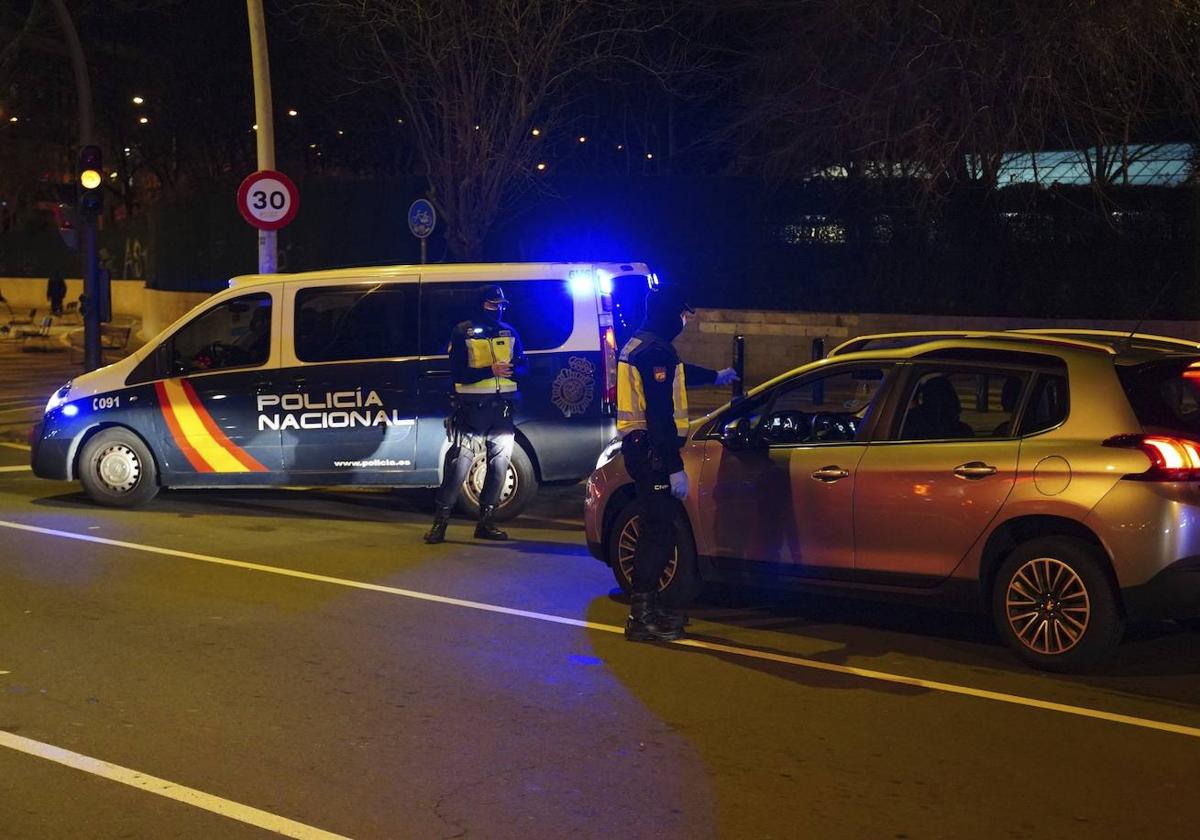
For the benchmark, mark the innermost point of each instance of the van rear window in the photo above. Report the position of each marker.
(542, 311)
(1164, 396)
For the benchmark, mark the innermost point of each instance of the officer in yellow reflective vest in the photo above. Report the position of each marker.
(486, 361)
(652, 420)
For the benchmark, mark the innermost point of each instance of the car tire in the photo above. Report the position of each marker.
(117, 469)
(1054, 603)
(521, 485)
(680, 583)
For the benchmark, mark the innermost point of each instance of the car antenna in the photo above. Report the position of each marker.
(1149, 309)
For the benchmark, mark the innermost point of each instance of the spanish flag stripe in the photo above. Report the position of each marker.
(164, 402)
(243, 457)
(217, 457)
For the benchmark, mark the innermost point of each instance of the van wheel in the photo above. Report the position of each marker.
(116, 469)
(680, 583)
(520, 486)
(1055, 606)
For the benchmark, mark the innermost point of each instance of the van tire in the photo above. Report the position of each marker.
(680, 583)
(1077, 572)
(117, 469)
(526, 487)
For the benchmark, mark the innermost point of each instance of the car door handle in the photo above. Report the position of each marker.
(974, 470)
(830, 474)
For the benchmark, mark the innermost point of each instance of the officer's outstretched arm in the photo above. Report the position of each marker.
(696, 375)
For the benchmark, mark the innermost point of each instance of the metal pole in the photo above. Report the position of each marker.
(424, 251)
(91, 281)
(264, 117)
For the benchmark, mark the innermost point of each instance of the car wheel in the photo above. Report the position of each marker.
(117, 469)
(1054, 604)
(520, 486)
(680, 583)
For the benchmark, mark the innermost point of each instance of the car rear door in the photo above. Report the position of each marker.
(926, 493)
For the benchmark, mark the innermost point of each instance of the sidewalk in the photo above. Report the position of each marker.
(31, 370)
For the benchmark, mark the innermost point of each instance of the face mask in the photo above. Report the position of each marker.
(491, 315)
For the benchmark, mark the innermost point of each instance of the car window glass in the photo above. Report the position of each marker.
(541, 311)
(236, 333)
(950, 404)
(340, 323)
(829, 409)
(1048, 404)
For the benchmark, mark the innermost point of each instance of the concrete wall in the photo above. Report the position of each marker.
(779, 341)
(30, 293)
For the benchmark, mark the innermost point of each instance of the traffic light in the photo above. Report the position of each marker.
(91, 180)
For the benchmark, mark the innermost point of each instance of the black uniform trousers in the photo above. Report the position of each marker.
(656, 516)
(476, 420)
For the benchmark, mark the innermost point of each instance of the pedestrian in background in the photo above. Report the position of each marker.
(652, 421)
(56, 290)
(486, 362)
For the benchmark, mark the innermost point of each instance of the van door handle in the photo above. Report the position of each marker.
(974, 470)
(830, 474)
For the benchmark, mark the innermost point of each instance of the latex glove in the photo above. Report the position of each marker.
(502, 369)
(679, 485)
(724, 377)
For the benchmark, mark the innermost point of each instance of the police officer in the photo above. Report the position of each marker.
(486, 361)
(652, 420)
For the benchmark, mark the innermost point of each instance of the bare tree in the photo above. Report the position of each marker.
(474, 80)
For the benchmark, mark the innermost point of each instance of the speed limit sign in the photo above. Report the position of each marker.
(268, 199)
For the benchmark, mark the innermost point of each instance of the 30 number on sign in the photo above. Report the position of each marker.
(268, 200)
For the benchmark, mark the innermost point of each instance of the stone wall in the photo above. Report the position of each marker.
(779, 341)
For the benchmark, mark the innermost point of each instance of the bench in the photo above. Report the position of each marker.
(112, 337)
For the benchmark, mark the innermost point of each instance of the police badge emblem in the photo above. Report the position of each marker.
(574, 387)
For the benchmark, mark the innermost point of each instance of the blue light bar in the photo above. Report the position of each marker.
(582, 283)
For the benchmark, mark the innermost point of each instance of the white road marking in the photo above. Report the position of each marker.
(15, 469)
(749, 653)
(26, 409)
(22, 446)
(162, 787)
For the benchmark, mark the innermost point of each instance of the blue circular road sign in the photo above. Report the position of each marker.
(421, 218)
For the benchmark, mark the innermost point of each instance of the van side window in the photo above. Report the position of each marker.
(234, 334)
(542, 311)
(340, 323)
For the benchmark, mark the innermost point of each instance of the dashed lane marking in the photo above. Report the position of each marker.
(21, 468)
(21, 446)
(162, 787)
(716, 647)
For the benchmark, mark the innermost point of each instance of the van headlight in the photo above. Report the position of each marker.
(57, 398)
(608, 453)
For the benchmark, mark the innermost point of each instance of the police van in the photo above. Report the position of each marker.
(342, 377)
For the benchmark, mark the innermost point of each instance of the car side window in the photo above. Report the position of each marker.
(1048, 404)
(827, 409)
(952, 403)
(233, 334)
(343, 323)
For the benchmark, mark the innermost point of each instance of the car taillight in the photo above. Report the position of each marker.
(1171, 458)
(608, 348)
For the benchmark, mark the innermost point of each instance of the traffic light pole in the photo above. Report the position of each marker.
(91, 280)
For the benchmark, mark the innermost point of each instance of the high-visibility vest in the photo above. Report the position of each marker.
(631, 396)
(482, 352)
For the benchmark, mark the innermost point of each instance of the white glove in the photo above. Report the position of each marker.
(724, 377)
(679, 485)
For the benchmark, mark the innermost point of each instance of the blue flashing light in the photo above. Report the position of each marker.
(605, 284)
(652, 281)
(70, 410)
(582, 283)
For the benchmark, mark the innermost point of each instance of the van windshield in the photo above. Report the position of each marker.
(1165, 395)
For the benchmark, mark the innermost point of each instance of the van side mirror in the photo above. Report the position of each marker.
(738, 434)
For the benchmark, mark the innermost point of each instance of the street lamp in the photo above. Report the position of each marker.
(143, 120)
(537, 132)
(541, 167)
(582, 139)
(292, 112)
(137, 100)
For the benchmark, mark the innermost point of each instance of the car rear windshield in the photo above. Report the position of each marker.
(1165, 395)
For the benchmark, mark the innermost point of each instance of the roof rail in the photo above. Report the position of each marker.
(1101, 335)
(911, 339)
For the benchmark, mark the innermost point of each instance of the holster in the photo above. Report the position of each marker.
(640, 457)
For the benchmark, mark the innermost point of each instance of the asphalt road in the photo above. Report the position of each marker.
(304, 654)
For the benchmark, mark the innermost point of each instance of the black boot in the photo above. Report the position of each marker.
(437, 533)
(672, 617)
(486, 529)
(646, 623)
